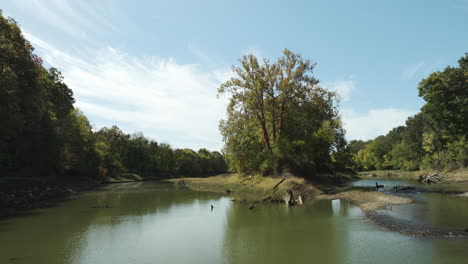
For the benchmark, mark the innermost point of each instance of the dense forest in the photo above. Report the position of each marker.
(434, 139)
(278, 119)
(43, 135)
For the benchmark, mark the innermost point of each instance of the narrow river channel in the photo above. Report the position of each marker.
(155, 222)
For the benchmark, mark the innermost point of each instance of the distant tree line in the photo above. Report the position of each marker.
(42, 134)
(436, 138)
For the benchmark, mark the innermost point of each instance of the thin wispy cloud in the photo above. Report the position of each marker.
(412, 70)
(75, 18)
(168, 101)
(343, 88)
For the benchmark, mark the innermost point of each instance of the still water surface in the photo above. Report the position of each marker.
(161, 223)
(438, 205)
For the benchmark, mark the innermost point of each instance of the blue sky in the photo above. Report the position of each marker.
(154, 66)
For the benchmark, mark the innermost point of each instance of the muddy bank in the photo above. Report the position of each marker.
(414, 228)
(455, 176)
(15, 197)
(254, 189)
(367, 200)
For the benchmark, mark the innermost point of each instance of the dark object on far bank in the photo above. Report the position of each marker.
(378, 186)
(212, 208)
(252, 206)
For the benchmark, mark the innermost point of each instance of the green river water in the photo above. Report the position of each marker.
(156, 222)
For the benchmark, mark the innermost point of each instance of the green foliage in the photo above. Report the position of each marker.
(436, 138)
(446, 95)
(279, 118)
(44, 135)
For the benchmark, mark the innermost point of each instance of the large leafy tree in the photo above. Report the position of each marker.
(446, 95)
(279, 117)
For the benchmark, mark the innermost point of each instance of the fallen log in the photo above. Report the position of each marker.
(280, 182)
(248, 178)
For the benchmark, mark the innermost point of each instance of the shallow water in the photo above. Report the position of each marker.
(438, 205)
(162, 223)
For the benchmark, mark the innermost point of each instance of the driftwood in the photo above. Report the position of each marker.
(280, 182)
(249, 178)
(429, 179)
(290, 200)
(299, 199)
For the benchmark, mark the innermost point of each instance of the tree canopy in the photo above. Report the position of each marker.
(435, 138)
(278, 117)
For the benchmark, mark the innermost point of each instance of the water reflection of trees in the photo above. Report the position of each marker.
(279, 234)
(150, 198)
(56, 234)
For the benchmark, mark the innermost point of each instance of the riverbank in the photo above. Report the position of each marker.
(367, 200)
(22, 193)
(251, 188)
(446, 176)
(257, 189)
